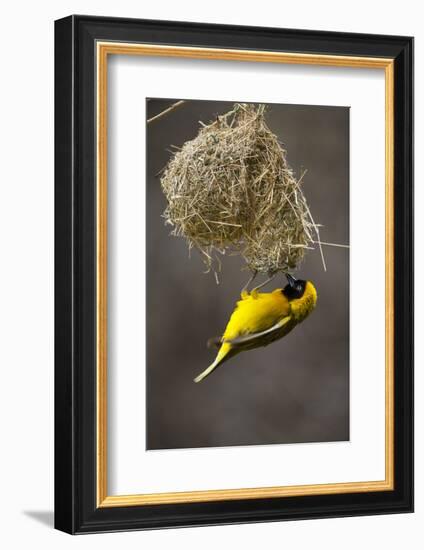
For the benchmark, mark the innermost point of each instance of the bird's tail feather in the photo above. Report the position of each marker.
(206, 372)
(222, 354)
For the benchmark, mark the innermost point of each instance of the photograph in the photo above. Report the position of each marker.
(208, 300)
(247, 273)
(233, 255)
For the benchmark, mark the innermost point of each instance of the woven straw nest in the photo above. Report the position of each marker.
(231, 189)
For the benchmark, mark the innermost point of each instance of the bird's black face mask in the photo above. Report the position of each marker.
(295, 288)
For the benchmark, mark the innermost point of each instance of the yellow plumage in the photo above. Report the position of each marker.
(260, 318)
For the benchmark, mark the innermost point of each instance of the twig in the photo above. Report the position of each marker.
(332, 244)
(166, 111)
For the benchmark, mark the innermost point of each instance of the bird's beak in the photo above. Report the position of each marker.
(292, 281)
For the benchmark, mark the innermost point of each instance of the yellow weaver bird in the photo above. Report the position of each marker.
(263, 317)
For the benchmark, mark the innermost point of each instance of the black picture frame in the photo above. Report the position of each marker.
(76, 510)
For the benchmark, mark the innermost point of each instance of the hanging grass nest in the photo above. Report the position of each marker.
(231, 189)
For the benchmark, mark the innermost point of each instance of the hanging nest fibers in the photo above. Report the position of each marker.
(231, 189)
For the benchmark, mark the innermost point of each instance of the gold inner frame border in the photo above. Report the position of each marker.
(103, 50)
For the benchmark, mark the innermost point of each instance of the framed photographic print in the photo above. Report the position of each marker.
(234, 274)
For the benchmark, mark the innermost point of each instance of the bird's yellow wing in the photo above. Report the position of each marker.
(263, 336)
(258, 320)
(257, 317)
(257, 313)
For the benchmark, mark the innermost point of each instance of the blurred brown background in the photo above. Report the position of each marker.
(295, 390)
